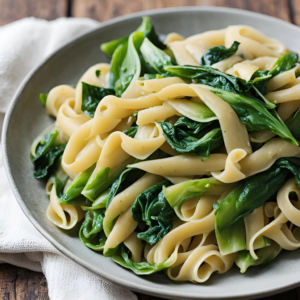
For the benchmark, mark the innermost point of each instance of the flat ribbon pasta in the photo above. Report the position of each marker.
(278, 231)
(232, 172)
(289, 208)
(243, 70)
(81, 152)
(65, 216)
(135, 246)
(111, 110)
(169, 242)
(123, 228)
(183, 165)
(56, 98)
(264, 158)
(200, 264)
(253, 41)
(286, 95)
(68, 119)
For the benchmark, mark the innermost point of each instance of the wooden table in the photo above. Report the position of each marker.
(22, 284)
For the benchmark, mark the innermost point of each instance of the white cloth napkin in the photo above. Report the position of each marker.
(24, 44)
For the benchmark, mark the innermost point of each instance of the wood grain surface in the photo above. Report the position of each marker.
(21, 284)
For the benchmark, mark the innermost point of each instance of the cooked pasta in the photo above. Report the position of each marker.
(181, 155)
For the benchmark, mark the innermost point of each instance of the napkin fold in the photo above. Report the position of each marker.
(24, 44)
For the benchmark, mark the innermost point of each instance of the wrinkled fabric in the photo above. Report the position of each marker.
(24, 44)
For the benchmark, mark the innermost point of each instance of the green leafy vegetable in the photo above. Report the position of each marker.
(146, 28)
(232, 239)
(219, 53)
(292, 164)
(285, 63)
(294, 125)
(110, 47)
(179, 193)
(129, 176)
(260, 78)
(154, 58)
(254, 191)
(43, 98)
(126, 179)
(131, 132)
(121, 257)
(244, 260)
(182, 142)
(116, 63)
(91, 233)
(48, 156)
(149, 32)
(211, 77)
(131, 65)
(100, 182)
(153, 213)
(91, 97)
(194, 110)
(190, 126)
(126, 58)
(100, 202)
(97, 73)
(155, 76)
(45, 144)
(255, 116)
(59, 181)
(77, 185)
(268, 104)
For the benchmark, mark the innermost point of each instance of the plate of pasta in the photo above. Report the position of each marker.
(168, 160)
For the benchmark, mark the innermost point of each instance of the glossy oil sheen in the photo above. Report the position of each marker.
(26, 118)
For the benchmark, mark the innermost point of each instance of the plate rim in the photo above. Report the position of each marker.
(168, 294)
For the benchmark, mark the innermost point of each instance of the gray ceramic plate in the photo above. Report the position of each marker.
(26, 118)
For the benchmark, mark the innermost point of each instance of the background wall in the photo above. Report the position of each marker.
(102, 10)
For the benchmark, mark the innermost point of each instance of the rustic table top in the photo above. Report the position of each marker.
(22, 284)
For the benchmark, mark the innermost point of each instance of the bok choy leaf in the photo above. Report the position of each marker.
(146, 28)
(47, 156)
(254, 191)
(179, 193)
(126, 179)
(182, 142)
(100, 202)
(154, 58)
(131, 132)
(232, 239)
(211, 77)
(91, 231)
(293, 125)
(285, 63)
(218, 53)
(153, 213)
(255, 116)
(190, 126)
(77, 185)
(121, 256)
(131, 65)
(265, 255)
(91, 97)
